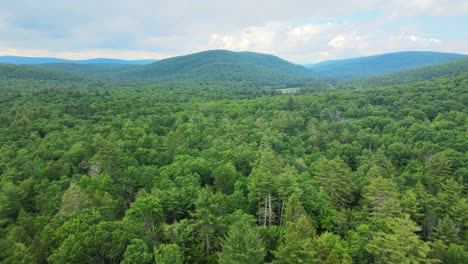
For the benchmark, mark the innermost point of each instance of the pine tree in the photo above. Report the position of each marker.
(263, 187)
(398, 243)
(208, 213)
(296, 246)
(242, 245)
(381, 196)
(336, 177)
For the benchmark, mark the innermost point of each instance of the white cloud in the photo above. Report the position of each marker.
(337, 42)
(296, 30)
(424, 41)
(263, 38)
(305, 32)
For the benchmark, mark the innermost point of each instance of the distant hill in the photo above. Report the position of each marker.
(381, 64)
(415, 75)
(225, 67)
(97, 71)
(33, 72)
(44, 60)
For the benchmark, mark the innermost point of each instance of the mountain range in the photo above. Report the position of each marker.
(381, 64)
(249, 68)
(45, 60)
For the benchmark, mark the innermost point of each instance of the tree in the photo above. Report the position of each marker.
(242, 245)
(225, 176)
(438, 165)
(208, 214)
(297, 242)
(137, 252)
(263, 186)
(447, 231)
(382, 198)
(145, 212)
(336, 178)
(455, 254)
(74, 200)
(168, 254)
(14, 253)
(398, 243)
(104, 242)
(329, 248)
(11, 197)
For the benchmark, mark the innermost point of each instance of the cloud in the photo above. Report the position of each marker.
(424, 41)
(300, 30)
(262, 38)
(337, 42)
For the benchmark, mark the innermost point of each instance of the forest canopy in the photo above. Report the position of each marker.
(192, 172)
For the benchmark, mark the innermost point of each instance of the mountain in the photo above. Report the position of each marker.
(33, 72)
(381, 64)
(97, 71)
(222, 66)
(415, 75)
(45, 60)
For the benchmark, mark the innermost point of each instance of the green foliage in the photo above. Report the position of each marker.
(168, 254)
(11, 197)
(242, 244)
(191, 172)
(397, 242)
(74, 200)
(381, 197)
(297, 242)
(336, 178)
(329, 248)
(137, 252)
(145, 212)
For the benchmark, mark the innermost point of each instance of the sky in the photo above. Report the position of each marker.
(302, 31)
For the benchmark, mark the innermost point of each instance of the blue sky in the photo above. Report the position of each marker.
(303, 31)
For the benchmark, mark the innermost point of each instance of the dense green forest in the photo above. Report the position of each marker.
(99, 172)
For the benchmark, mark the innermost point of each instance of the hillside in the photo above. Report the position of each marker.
(381, 64)
(99, 71)
(414, 75)
(221, 66)
(30, 72)
(44, 60)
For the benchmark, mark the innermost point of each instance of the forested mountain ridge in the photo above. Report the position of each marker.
(225, 66)
(254, 69)
(214, 66)
(11, 71)
(196, 173)
(45, 60)
(95, 71)
(425, 73)
(381, 64)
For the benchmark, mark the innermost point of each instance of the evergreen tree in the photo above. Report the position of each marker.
(208, 214)
(336, 177)
(398, 242)
(382, 198)
(242, 245)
